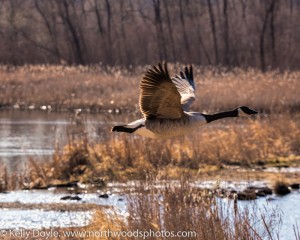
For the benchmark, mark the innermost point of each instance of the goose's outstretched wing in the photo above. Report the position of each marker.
(159, 96)
(186, 87)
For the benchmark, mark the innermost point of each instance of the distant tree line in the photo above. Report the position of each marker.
(257, 33)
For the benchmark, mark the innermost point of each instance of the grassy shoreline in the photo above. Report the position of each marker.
(220, 148)
(96, 88)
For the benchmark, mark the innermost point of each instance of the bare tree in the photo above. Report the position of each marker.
(49, 20)
(109, 17)
(98, 17)
(182, 21)
(232, 33)
(64, 13)
(159, 30)
(268, 12)
(169, 26)
(226, 33)
(13, 33)
(213, 29)
(201, 48)
(272, 34)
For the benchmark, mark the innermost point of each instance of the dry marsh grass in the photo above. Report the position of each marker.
(198, 214)
(266, 141)
(97, 88)
(180, 210)
(184, 208)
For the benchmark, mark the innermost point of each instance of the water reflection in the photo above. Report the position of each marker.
(35, 134)
(39, 219)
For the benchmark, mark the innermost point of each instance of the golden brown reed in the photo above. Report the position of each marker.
(186, 208)
(159, 213)
(182, 210)
(97, 88)
(268, 141)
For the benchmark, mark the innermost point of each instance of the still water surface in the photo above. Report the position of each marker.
(35, 134)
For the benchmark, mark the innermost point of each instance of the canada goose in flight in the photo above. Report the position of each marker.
(165, 103)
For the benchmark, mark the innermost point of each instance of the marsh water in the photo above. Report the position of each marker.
(286, 207)
(36, 135)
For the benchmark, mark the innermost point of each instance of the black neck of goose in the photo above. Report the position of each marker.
(220, 115)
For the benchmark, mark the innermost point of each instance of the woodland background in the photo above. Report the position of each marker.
(236, 33)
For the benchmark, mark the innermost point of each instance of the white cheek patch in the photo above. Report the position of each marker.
(145, 133)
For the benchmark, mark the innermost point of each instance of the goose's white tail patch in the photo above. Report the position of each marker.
(136, 123)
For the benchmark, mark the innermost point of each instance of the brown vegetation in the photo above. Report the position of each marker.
(170, 210)
(183, 209)
(96, 88)
(271, 138)
(211, 151)
(272, 141)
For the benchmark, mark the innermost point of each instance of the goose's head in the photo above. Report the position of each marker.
(245, 111)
